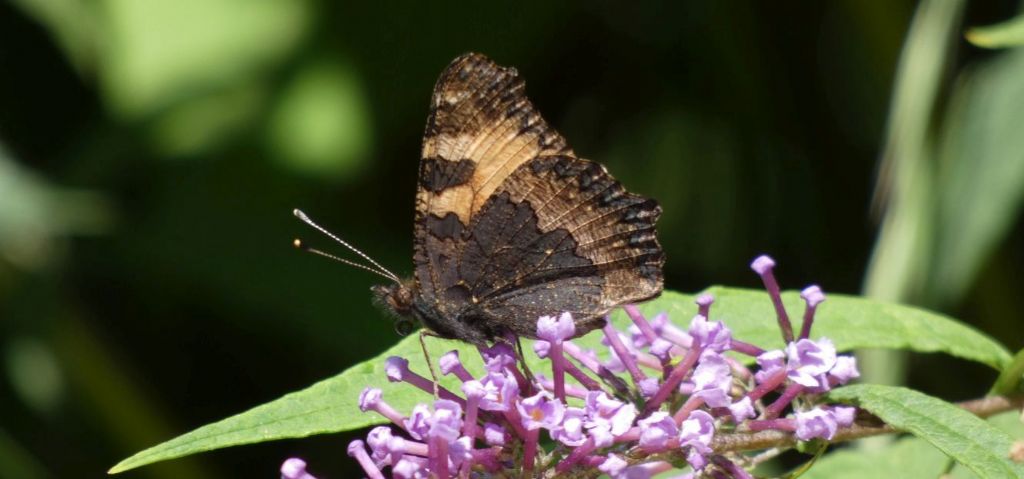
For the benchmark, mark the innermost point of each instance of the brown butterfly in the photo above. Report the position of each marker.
(510, 224)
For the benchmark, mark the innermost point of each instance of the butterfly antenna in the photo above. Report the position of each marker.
(302, 246)
(298, 244)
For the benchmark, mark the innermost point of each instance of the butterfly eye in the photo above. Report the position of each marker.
(403, 327)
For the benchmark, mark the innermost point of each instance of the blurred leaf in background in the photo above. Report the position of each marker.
(979, 174)
(36, 216)
(320, 125)
(952, 175)
(1004, 34)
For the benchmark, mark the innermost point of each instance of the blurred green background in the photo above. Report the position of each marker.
(151, 153)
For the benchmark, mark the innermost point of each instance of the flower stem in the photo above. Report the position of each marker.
(558, 369)
(638, 319)
(768, 385)
(673, 380)
(620, 350)
(773, 409)
(529, 451)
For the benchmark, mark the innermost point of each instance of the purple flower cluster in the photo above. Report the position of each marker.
(661, 393)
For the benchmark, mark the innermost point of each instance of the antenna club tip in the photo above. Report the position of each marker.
(299, 214)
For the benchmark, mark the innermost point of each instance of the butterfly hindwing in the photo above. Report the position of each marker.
(578, 242)
(511, 225)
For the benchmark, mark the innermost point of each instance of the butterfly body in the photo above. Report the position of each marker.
(511, 225)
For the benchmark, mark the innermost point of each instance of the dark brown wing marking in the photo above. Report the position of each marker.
(610, 227)
(514, 272)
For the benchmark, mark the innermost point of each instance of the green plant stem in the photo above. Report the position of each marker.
(1010, 377)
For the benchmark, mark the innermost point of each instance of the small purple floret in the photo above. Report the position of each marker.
(451, 364)
(712, 380)
(704, 302)
(385, 448)
(498, 357)
(613, 465)
(661, 348)
(369, 399)
(657, 430)
(395, 367)
(357, 450)
(770, 362)
(742, 409)
(295, 468)
(762, 264)
(418, 422)
(816, 423)
(696, 432)
(446, 422)
(648, 387)
(494, 434)
(460, 451)
(844, 370)
(607, 414)
(808, 362)
(812, 295)
(541, 410)
(501, 391)
(410, 468)
(541, 348)
(713, 335)
(551, 329)
(844, 415)
(473, 389)
(571, 432)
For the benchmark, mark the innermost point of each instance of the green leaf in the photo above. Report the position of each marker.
(1006, 34)
(908, 457)
(850, 322)
(961, 435)
(325, 407)
(331, 405)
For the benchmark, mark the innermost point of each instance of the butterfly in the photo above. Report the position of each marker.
(510, 224)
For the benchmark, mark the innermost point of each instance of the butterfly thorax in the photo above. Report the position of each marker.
(403, 300)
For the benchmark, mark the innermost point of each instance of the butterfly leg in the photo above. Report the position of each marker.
(526, 380)
(522, 359)
(424, 332)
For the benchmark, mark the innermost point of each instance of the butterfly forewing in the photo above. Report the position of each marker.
(511, 225)
(480, 129)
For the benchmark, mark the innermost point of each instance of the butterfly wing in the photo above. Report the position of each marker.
(481, 127)
(510, 224)
(562, 235)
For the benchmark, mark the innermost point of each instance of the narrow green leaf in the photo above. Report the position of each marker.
(961, 435)
(328, 406)
(908, 457)
(1006, 34)
(331, 405)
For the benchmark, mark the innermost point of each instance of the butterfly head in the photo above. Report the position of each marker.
(394, 297)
